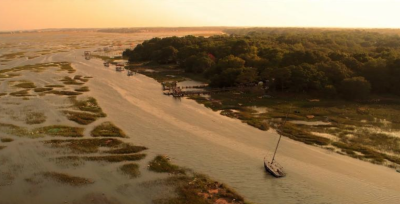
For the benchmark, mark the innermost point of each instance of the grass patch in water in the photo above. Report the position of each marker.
(126, 149)
(67, 179)
(60, 130)
(17, 131)
(107, 129)
(82, 89)
(80, 78)
(26, 85)
(2, 147)
(5, 140)
(55, 86)
(22, 93)
(12, 55)
(65, 93)
(161, 164)
(132, 170)
(84, 146)
(35, 118)
(77, 161)
(9, 75)
(200, 189)
(90, 105)
(82, 118)
(297, 133)
(64, 66)
(115, 158)
(42, 89)
(3, 94)
(69, 81)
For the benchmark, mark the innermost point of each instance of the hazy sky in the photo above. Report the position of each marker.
(34, 14)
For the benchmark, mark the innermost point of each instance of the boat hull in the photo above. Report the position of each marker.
(274, 169)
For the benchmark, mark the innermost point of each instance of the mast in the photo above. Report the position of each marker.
(280, 136)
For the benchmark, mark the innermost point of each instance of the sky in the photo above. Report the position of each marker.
(40, 14)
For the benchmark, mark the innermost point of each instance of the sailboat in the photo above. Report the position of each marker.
(273, 167)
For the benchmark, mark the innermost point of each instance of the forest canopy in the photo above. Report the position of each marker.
(347, 63)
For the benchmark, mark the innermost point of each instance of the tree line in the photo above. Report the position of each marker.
(346, 63)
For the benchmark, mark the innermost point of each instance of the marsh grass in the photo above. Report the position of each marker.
(107, 129)
(81, 78)
(77, 161)
(126, 149)
(82, 118)
(54, 86)
(9, 75)
(69, 81)
(132, 170)
(6, 140)
(90, 105)
(64, 66)
(17, 131)
(2, 147)
(12, 55)
(65, 93)
(26, 85)
(67, 179)
(3, 94)
(22, 93)
(59, 130)
(161, 164)
(199, 189)
(82, 89)
(43, 89)
(35, 118)
(298, 133)
(84, 146)
(115, 158)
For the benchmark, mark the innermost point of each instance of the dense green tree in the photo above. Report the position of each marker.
(291, 59)
(355, 88)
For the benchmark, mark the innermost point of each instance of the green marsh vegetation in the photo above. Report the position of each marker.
(193, 187)
(90, 111)
(161, 164)
(70, 81)
(59, 177)
(14, 55)
(88, 146)
(63, 66)
(89, 104)
(132, 170)
(35, 118)
(107, 129)
(82, 89)
(60, 130)
(22, 93)
(6, 140)
(26, 85)
(42, 89)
